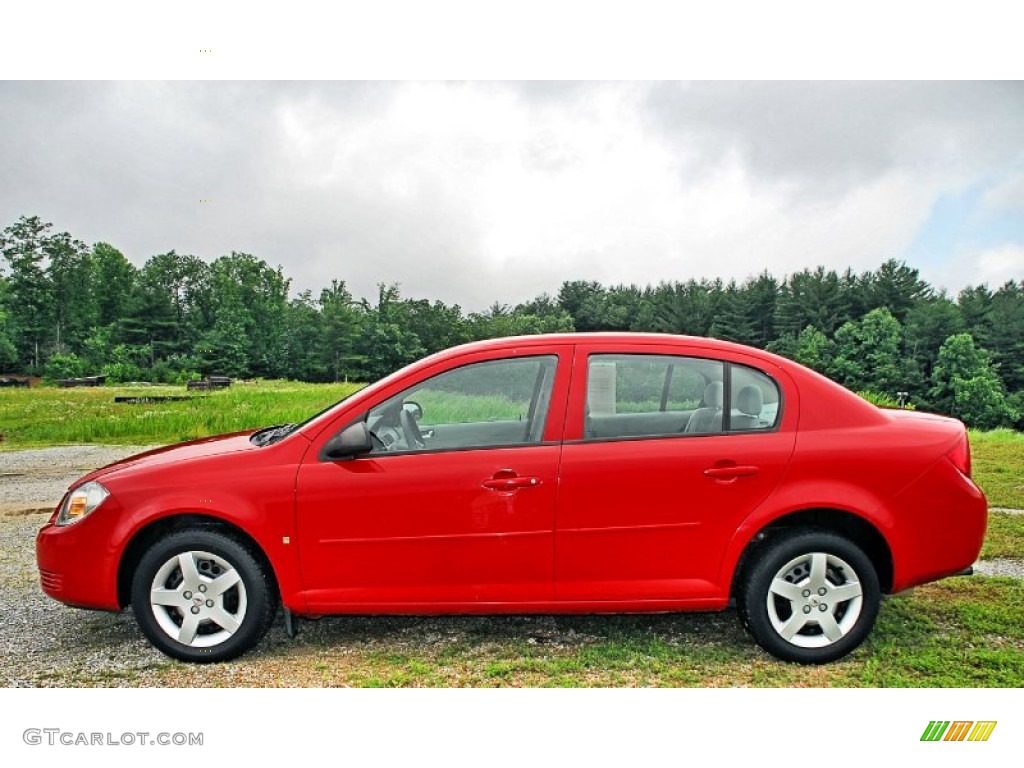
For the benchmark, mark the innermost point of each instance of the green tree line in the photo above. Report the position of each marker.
(70, 309)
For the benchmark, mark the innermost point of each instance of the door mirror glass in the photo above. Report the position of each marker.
(349, 443)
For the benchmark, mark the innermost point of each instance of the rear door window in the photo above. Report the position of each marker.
(647, 395)
(661, 395)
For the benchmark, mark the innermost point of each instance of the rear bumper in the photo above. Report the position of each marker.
(941, 520)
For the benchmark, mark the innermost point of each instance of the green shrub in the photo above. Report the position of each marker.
(884, 401)
(184, 377)
(118, 373)
(65, 366)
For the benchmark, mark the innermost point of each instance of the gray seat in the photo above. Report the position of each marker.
(708, 418)
(749, 402)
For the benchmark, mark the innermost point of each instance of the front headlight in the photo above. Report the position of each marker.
(80, 502)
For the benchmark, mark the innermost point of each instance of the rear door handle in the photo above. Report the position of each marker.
(731, 473)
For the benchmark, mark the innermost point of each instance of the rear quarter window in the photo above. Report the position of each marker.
(754, 400)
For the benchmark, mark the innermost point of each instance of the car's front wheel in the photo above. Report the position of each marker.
(200, 595)
(810, 597)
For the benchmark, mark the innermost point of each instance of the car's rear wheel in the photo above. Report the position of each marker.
(200, 595)
(810, 597)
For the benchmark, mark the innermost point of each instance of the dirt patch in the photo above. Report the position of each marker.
(37, 479)
(20, 510)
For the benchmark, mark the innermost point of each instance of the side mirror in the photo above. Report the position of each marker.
(413, 408)
(349, 443)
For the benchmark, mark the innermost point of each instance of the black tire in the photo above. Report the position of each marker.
(784, 599)
(223, 621)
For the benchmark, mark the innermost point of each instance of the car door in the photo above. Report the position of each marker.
(660, 465)
(455, 505)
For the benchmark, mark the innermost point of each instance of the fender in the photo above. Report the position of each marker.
(268, 518)
(802, 496)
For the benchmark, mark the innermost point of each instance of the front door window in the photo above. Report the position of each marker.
(497, 403)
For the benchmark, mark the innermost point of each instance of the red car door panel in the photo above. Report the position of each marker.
(642, 518)
(436, 524)
(648, 518)
(426, 528)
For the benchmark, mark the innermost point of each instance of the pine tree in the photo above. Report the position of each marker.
(894, 286)
(1006, 338)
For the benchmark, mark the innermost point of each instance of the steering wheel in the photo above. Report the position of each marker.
(413, 436)
(378, 445)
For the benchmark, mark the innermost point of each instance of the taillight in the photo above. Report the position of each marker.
(961, 456)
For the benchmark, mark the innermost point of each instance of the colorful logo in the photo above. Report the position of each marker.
(958, 730)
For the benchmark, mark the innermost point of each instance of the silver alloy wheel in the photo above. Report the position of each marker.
(814, 600)
(198, 599)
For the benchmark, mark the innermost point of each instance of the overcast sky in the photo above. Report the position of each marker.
(480, 192)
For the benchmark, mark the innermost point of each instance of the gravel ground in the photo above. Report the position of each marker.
(43, 643)
(1001, 566)
(37, 479)
(38, 636)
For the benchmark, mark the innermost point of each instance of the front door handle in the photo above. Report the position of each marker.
(732, 472)
(507, 480)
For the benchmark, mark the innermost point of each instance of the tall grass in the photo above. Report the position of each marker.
(45, 416)
(998, 462)
(455, 408)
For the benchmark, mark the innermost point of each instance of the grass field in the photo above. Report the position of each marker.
(450, 408)
(32, 418)
(962, 632)
(997, 459)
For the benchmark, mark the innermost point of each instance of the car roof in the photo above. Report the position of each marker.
(614, 337)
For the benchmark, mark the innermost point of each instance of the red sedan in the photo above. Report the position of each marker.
(578, 473)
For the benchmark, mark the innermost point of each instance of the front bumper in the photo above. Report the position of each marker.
(78, 563)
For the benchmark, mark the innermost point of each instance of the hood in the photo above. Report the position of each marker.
(174, 454)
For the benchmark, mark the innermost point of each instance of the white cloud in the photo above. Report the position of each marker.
(993, 266)
(537, 193)
(1005, 196)
(483, 192)
(997, 265)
